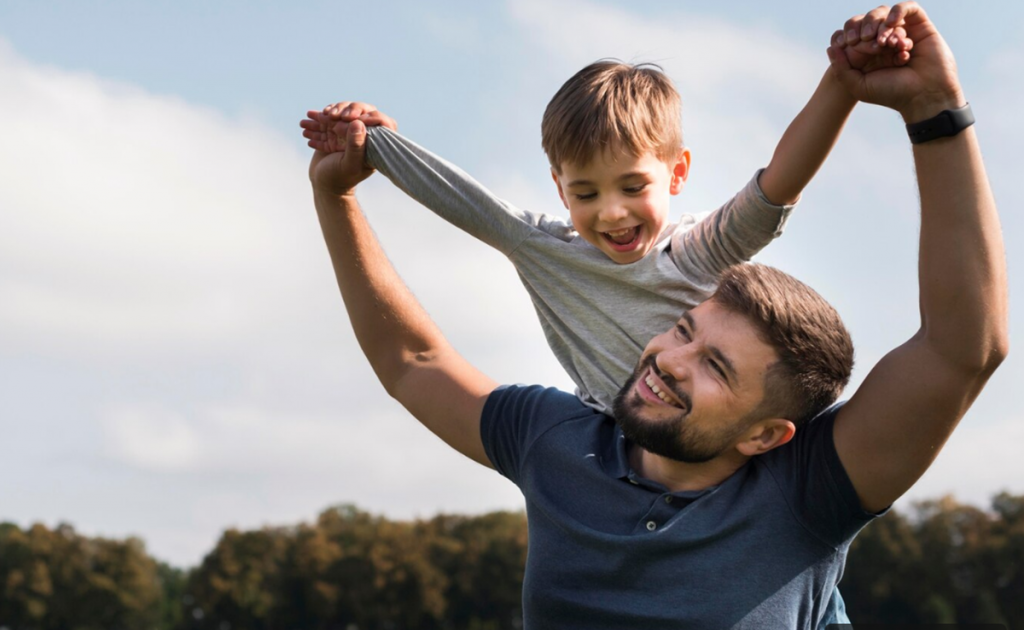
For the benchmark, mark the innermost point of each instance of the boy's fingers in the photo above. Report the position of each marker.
(849, 77)
(837, 38)
(334, 110)
(379, 119)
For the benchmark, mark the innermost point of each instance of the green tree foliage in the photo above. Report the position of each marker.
(354, 570)
(942, 562)
(57, 579)
(946, 563)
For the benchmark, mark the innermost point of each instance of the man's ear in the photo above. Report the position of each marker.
(558, 185)
(766, 435)
(680, 171)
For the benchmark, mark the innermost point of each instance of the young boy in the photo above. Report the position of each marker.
(617, 272)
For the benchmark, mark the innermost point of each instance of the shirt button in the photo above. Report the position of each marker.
(668, 499)
(651, 526)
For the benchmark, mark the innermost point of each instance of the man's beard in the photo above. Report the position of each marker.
(672, 438)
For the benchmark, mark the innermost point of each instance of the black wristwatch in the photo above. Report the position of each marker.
(948, 123)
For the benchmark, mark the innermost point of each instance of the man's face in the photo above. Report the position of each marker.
(619, 202)
(696, 386)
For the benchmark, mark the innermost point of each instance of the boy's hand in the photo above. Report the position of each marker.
(871, 45)
(327, 130)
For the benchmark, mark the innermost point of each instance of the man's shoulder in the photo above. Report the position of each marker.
(516, 417)
(534, 403)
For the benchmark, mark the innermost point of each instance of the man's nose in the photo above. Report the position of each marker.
(676, 362)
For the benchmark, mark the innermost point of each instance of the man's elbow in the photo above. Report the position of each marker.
(1000, 349)
(395, 374)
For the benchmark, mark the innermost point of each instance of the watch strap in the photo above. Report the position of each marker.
(947, 123)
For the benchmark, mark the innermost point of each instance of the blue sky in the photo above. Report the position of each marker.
(174, 358)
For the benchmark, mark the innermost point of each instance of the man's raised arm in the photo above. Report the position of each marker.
(895, 424)
(409, 354)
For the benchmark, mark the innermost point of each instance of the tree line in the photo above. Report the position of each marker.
(942, 562)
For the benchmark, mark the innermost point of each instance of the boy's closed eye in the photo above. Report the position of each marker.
(631, 190)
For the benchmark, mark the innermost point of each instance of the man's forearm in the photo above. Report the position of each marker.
(390, 325)
(807, 142)
(962, 270)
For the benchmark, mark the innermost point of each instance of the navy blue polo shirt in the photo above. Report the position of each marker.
(610, 549)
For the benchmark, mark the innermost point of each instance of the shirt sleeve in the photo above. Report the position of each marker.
(730, 235)
(514, 416)
(452, 194)
(815, 483)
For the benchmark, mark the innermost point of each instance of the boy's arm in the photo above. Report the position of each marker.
(815, 130)
(437, 184)
(756, 215)
(807, 142)
(409, 354)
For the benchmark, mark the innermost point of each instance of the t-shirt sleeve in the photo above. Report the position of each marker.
(731, 234)
(452, 194)
(815, 482)
(514, 416)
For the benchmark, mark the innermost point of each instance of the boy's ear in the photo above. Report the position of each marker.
(765, 436)
(680, 171)
(558, 185)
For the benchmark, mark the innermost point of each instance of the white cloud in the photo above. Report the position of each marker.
(154, 439)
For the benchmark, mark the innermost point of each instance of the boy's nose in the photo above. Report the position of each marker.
(612, 213)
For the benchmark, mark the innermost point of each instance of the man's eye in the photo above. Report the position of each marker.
(717, 368)
(682, 332)
(586, 197)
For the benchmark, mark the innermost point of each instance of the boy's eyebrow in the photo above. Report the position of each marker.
(715, 352)
(587, 182)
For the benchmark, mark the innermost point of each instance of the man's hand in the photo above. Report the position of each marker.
(327, 130)
(866, 50)
(919, 89)
(338, 173)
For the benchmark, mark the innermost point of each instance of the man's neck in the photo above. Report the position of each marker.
(681, 476)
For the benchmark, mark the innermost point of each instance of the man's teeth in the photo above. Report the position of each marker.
(657, 390)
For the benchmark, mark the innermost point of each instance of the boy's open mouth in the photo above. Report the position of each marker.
(623, 240)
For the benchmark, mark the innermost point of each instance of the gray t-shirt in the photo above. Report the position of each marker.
(597, 315)
(610, 549)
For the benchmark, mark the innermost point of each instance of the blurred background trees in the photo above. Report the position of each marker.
(941, 562)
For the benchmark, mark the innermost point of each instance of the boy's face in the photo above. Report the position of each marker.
(619, 202)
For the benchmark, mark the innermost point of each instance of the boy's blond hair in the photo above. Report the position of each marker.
(612, 105)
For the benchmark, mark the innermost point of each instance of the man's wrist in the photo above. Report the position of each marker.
(342, 200)
(929, 106)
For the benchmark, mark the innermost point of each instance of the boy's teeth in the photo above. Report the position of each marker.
(622, 236)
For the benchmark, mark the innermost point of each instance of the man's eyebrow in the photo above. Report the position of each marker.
(715, 352)
(624, 176)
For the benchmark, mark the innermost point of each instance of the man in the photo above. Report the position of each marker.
(713, 502)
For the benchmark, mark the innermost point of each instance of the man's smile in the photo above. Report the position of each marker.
(654, 389)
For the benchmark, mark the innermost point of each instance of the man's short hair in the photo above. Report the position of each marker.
(815, 349)
(612, 105)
